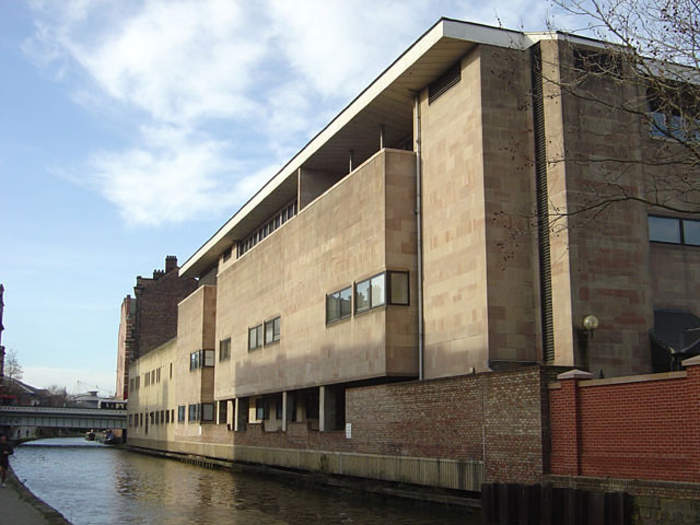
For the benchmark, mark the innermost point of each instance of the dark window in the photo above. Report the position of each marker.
(448, 79)
(339, 304)
(171, 370)
(167, 416)
(278, 409)
(225, 349)
(158, 375)
(207, 412)
(674, 112)
(227, 254)
(597, 62)
(193, 413)
(674, 230)
(208, 358)
(259, 409)
(398, 288)
(181, 413)
(195, 362)
(172, 415)
(223, 412)
(255, 339)
(272, 330)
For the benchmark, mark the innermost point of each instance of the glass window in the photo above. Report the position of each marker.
(223, 412)
(362, 296)
(158, 375)
(664, 229)
(345, 299)
(272, 330)
(207, 411)
(181, 413)
(278, 409)
(255, 339)
(332, 307)
(225, 349)
(259, 409)
(208, 358)
(398, 287)
(691, 232)
(339, 304)
(377, 295)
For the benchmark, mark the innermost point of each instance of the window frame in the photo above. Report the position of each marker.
(258, 339)
(181, 413)
(275, 339)
(225, 343)
(340, 317)
(369, 299)
(212, 417)
(680, 221)
(389, 297)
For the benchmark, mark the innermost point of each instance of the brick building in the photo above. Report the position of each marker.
(383, 308)
(150, 317)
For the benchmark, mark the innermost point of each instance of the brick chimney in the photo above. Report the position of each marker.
(170, 263)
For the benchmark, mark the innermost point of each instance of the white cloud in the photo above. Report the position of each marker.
(211, 86)
(75, 380)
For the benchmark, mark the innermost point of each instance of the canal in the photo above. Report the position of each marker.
(93, 484)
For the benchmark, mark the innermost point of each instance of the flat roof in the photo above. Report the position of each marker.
(433, 52)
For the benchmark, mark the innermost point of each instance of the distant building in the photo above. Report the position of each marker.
(150, 317)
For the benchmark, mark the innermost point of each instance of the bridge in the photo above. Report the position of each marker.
(86, 418)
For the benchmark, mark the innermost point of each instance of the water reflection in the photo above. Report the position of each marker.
(91, 484)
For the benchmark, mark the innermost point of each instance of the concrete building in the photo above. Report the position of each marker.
(149, 318)
(397, 245)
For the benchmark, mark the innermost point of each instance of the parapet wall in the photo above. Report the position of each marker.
(636, 427)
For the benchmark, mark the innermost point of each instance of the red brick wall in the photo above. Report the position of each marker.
(440, 418)
(635, 430)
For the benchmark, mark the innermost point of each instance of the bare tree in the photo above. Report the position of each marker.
(58, 396)
(643, 71)
(13, 368)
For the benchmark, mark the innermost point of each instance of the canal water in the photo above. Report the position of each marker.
(93, 484)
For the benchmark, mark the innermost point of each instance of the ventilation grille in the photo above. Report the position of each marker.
(542, 207)
(448, 79)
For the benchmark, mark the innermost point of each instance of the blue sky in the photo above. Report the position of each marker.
(131, 130)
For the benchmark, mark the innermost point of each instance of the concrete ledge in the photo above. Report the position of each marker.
(467, 475)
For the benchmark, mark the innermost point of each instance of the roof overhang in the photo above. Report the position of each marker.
(387, 101)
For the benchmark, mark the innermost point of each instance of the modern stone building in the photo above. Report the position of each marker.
(402, 244)
(149, 318)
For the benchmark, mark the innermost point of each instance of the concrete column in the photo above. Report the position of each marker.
(230, 409)
(284, 411)
(326, 409)
(240, 414)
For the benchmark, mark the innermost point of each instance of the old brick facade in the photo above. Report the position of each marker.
(149, 318)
